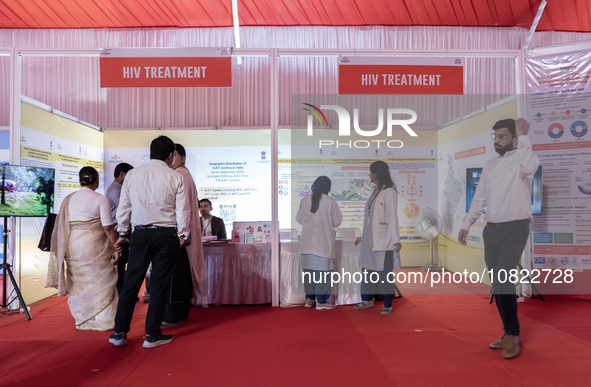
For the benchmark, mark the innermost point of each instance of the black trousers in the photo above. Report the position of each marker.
(383, 286)
(503, 246)
(181, 290)
(161, 247)
(121, 264)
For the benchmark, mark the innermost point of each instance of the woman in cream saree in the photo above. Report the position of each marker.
(86, 247)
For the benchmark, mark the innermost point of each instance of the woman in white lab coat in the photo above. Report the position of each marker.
(380, 239)
(318, 214)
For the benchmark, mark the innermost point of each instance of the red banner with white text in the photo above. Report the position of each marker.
(400, 76)
(166, 71)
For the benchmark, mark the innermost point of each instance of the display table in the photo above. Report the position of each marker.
(238, 273)
(345, 292)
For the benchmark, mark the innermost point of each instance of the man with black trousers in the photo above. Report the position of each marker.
(113, 193)
(154, 202)
(505, 190)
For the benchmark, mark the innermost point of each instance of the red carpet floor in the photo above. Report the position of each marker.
(429, 340)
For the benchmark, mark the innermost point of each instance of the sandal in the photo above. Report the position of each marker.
(365, 305)
(386, 310)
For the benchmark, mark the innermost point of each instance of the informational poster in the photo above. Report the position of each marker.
(559, 109)
(231, 168)
(413, 170)
(457, 160)
(51, 141)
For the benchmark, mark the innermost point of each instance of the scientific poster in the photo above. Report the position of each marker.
(559, 109)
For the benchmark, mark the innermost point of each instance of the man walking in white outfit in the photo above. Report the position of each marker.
(505, 189)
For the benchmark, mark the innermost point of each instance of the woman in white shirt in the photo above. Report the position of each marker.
(318, 214)
(84, 238)
(380, 239)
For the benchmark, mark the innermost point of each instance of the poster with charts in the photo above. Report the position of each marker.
(413, 169)
(559, 110)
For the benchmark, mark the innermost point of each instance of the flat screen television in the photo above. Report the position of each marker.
(26, 191)
(473, 177)
(536, 193)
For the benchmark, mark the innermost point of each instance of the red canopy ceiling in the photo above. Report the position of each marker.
(563, 15)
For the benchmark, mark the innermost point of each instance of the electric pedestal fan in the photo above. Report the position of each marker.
(428, 226)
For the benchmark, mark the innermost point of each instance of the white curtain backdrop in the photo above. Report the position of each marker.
(71, 84)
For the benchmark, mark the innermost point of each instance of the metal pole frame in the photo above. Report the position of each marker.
(274, 54)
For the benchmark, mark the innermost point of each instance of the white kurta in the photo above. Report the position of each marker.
(195, 249)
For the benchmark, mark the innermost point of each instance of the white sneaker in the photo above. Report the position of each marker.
(118, 339)
(310, 303)
(325, 306)
(156, 341)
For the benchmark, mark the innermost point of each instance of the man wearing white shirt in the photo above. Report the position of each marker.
(154, 201)
(505, 190)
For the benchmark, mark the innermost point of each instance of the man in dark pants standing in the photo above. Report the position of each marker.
(113, 193)
(505, 189)
(154, 201)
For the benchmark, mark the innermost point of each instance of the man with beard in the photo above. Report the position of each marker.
(505, 190)
(211, 225)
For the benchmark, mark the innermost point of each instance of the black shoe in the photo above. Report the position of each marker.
(118, 339)
(170, 324)
(156, 341)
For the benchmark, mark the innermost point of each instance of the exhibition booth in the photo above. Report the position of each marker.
(255, 169)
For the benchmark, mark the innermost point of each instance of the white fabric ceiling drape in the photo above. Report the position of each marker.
(71, 84)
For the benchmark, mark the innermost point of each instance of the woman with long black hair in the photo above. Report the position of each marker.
(380, 239)
(318, 214)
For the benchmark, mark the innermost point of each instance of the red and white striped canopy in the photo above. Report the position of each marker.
(560, 15)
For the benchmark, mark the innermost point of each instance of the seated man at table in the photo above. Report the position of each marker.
(211, 225)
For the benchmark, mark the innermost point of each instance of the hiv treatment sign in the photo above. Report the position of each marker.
(166, 67)
(377, 75)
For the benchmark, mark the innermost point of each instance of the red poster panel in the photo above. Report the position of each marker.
(166, 72)
(400, 79)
